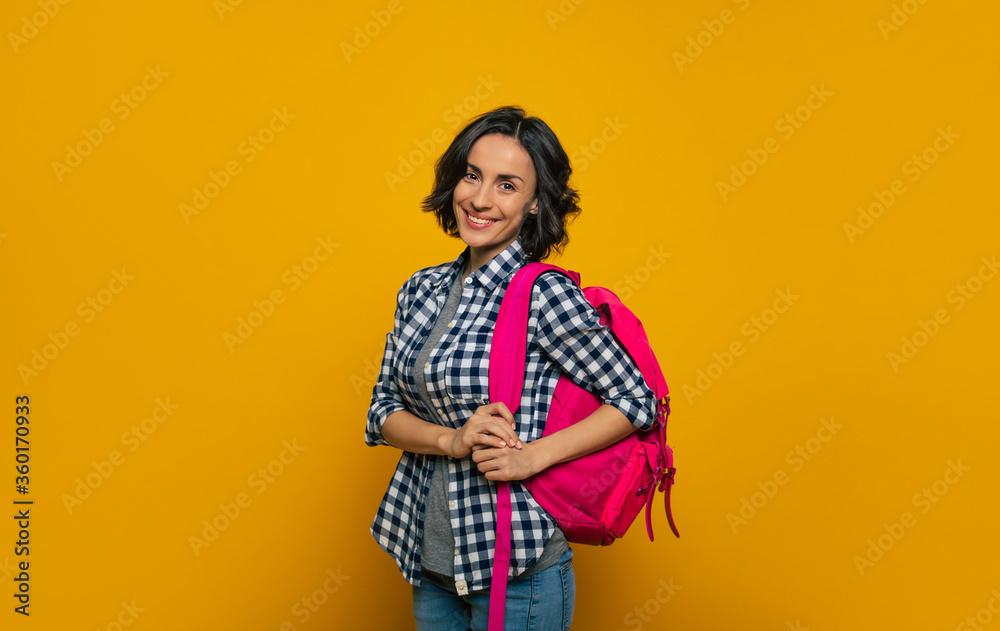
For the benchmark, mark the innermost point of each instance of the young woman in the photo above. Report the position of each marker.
(502, 186)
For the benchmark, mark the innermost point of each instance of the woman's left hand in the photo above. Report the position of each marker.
(507, 463)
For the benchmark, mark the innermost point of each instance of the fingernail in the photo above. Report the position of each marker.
(503, 444)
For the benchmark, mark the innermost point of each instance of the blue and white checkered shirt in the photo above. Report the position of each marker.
(564, 335)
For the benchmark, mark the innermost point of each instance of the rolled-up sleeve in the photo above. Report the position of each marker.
(569, 331)
(385, 395)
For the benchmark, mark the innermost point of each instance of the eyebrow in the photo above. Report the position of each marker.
(502, 176)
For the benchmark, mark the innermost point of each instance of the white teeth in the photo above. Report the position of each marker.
(481, 222)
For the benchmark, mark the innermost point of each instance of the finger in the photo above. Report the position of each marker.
(496, 433)
(507, 415)
(485, 454)
(504, 412)
(491, 440)
(500, 410)
(507, 434)
(485, 425)
(511, 438)
(487, 465)
(496, 475)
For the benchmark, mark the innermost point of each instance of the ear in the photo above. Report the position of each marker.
(534, 207)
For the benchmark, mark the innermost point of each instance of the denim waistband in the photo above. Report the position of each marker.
(448, 582)
(442, 581)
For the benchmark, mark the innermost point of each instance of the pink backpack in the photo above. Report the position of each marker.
(595, 498)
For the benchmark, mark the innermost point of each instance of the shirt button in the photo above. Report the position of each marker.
(440, 411)
(462, 587)
(452, 503)
(451, 324)
(456, 551)
(427, 365)
(468, 280)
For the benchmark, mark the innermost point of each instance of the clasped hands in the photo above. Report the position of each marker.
(496, 448)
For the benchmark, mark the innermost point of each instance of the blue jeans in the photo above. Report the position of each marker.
(542, 601)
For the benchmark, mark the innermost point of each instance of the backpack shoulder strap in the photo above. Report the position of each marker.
(508, 353)
(629, 331)
(508, 349)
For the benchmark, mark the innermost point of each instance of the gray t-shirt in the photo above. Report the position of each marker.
(438, 546)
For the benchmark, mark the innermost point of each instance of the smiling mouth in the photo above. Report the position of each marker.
(477, 220)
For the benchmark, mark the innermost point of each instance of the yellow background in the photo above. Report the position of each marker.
(662, 131)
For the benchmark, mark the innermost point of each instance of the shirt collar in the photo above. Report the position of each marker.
(491, 274)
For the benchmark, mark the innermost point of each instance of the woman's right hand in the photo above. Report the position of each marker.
(490, 425)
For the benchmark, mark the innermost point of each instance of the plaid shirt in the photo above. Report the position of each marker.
(565, 335)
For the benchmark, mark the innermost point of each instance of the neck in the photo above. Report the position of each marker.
(482, 255)
(467, 267)
(474, 262)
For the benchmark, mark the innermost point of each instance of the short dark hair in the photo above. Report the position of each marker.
(541, 233)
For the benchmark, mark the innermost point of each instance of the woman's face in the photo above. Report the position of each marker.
(494, 196)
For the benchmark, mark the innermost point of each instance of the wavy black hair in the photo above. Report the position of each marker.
(558, 203)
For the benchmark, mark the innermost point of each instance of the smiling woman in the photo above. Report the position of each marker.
(525, 164)
(502, 187)
(494, 197)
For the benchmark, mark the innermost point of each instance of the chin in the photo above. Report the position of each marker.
(472, 240)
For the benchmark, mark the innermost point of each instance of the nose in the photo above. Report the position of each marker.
(483, 199)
